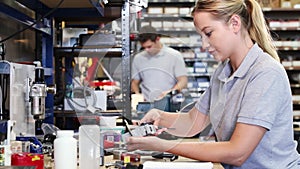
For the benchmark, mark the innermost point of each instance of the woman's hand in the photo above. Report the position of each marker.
(146, 143)
(153, 115)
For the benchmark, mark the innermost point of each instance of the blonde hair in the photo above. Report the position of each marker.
(251, 15)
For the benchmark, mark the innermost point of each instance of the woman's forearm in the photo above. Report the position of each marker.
(183, 124)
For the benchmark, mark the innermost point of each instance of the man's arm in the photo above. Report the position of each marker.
(135, 86)
(181, 83)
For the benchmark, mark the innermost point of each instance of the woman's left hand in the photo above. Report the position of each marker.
(146, 143)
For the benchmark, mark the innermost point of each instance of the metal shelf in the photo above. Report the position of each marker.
(200, 60)
(281, 10)
(88, 51)
(163, 17)
(200, 89)
(295, 85)
(288, 48)
(172, 31)
(198, 74)
(178, 3)
(284, 28)
(292, 67)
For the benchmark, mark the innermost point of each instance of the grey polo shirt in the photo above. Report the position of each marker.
(158, 73)
(257, 93)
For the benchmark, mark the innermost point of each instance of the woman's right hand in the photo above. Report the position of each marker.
(152, 116)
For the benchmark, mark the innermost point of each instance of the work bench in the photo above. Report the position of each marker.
(109, 159)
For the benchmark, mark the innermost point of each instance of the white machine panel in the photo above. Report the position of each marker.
(19, 77)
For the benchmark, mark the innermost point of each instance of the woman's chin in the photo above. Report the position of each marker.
(218, 58)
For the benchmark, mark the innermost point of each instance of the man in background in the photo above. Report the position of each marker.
(157, 69)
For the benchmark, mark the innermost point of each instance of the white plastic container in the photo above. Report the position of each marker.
(65, 150)
(89, 146)
(110, 121)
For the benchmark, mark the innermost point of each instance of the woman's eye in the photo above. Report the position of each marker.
(208, 34)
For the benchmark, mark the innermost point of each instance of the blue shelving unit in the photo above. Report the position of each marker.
(44, 27)
(45, 32)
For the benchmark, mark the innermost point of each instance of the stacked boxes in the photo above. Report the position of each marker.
(289, 3)
(269, 3)
(279, 3)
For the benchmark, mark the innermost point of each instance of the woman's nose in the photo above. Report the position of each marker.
(205, 44)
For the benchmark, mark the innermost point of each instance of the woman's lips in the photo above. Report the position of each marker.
(211, 52)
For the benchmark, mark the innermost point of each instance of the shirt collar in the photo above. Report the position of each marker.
(245, 66)
(160, 53)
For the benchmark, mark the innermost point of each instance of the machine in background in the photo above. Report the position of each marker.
(23, 92)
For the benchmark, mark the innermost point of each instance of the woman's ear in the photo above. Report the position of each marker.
(235, 23)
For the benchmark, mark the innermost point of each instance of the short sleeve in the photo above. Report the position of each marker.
(203, 103)
(180, 68)
(134, 70)
(261, 104)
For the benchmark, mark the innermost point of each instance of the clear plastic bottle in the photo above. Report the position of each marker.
(89, 146)
(65, 150)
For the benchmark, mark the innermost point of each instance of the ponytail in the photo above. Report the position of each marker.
(258, 30)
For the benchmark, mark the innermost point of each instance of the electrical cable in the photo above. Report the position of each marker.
(3, 93)
(2, 51)
(85, 89)
(1, 110)
(29, 26)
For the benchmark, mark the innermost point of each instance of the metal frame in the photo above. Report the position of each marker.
(126, 60)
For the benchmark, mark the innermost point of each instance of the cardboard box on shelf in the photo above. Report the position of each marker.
(289, 3)
(295, 2)
(156, 24)
(171, 10)
(178, 24)
(269, 3)
(155, 10)
(286, 4)
(167, 24)
(184, 11)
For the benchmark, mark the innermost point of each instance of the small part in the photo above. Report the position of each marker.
(129, 157)
(145, 130)
(161, 155)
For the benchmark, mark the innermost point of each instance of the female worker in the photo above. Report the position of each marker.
(248, 103)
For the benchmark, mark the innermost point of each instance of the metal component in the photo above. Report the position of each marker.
(70, 36)
(38, 92)
(161, 155)
(51, 89)
(145, 130)
(97, 39)
(126, 68)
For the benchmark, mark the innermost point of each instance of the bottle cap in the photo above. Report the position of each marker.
(64, 133)
(88, 121)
